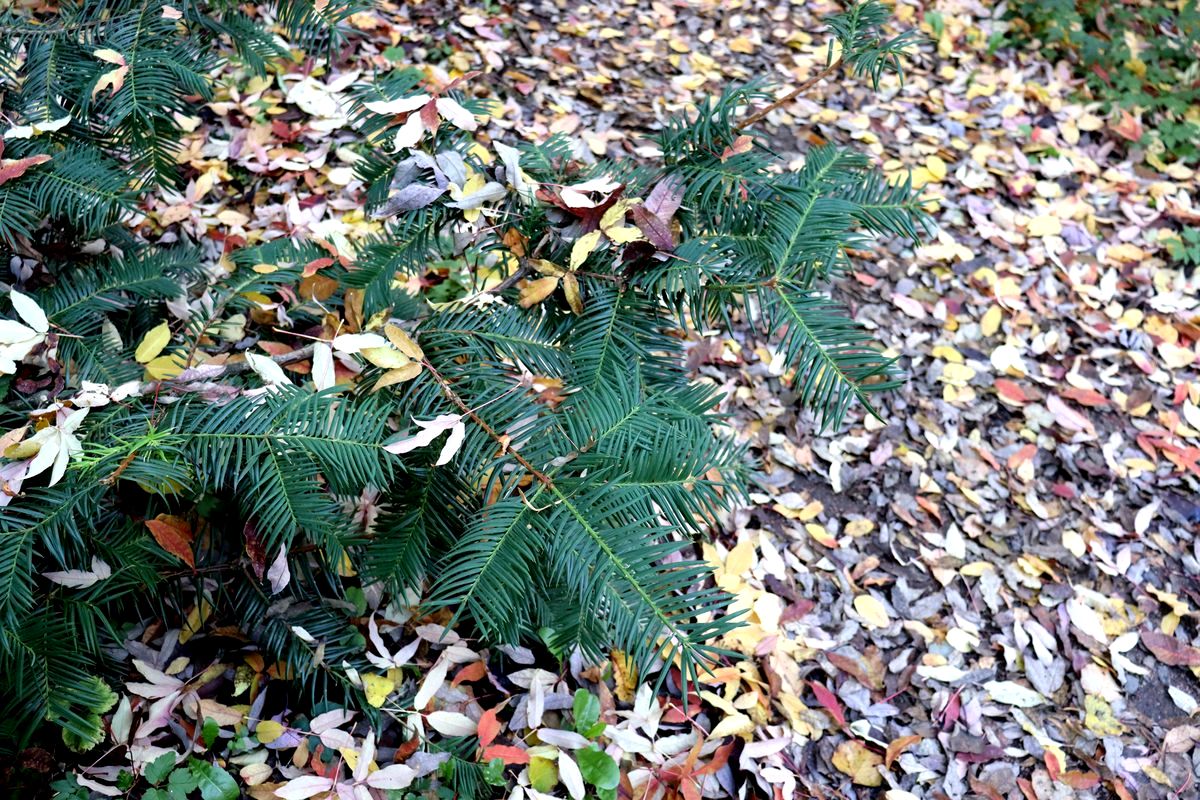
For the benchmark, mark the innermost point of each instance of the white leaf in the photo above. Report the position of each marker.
(432, 429)
(452, 723)
(329, 720)
(81, 579)
(576, 196)
(29, 311)
(336, 739)
(569, 774)
(1143, 518)
(303, 635)
(397, 776)
(433, 681)
(453, 443)
(270, 372)
(511, 157)
(366, 755)
(303, 787)
(1013, 694)
(409, 133)
(278, 573)
(354, 342)
(122, 721)
(455, 114)
(565, 739)
(322, 366)
(485, 194)
(400, 105)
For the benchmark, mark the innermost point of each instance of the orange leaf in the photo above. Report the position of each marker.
(471, 672)
(489, 726)
(742, 144)
(897, 747)
(174, 535)
(15, 167)
(1080, 780)
(506, 753)
(1130, 127)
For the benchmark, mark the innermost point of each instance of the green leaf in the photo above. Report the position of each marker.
(214, 783)
(493, 772)
(181, 782)
(157, 770)
(586, 709)
(598, 768)
(210, 731)
(155, 794)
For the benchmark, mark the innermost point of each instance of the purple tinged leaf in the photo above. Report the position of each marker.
(657, 232)
(665, 197)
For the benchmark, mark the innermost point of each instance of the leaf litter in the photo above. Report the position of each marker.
(988, 590)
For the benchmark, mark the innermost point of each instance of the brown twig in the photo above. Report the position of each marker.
(542, 477)
(790, 96)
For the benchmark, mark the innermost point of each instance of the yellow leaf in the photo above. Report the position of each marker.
(548, 268)
(859, 762)
(991, 320)
(153, 343)
(624, 676)
(543, 774)
(615, 215)
(195, 620)
(113, 78)
(583, 248)
(741, 45)
(818, 532)
(872, 611)
(1099, 717)
(403, 342)
(859, 527)
(535, 292)
(377, 689)
(624, 234)
(164, 367)
(740, 558)
(1044, 225)
(571, 289)
(268, 731)
(399, 375)
(385, 357)
(936, 167)
(733, 725)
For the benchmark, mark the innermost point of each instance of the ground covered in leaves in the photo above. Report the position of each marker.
(989, 591)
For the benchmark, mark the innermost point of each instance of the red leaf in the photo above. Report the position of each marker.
(489, 727)
(174, 535)
(952, 710)
(506, 753)
(254, 549)
(1052, 765)
(15, 167)
(829, 702)
(1170, 650)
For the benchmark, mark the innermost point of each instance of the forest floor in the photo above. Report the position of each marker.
(988, 590)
